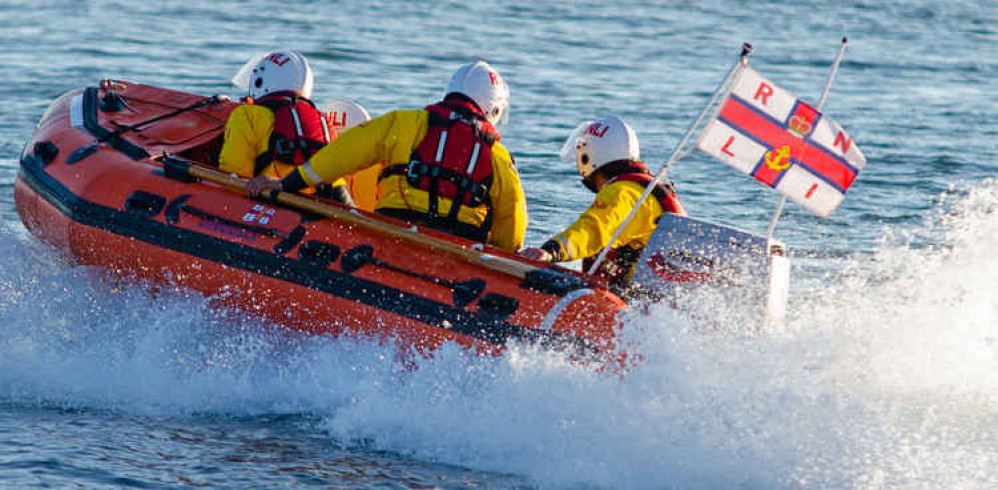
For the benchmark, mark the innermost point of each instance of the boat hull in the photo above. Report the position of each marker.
(119, 206)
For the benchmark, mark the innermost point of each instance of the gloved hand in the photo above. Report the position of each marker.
(262, 184)
(341, 194)
(537, 254)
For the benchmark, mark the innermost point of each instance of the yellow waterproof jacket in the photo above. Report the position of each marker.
(594, 228)
(247, 135)
(364, 187)
(391, 138)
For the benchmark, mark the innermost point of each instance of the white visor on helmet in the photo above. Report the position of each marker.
(242, 77)
(575, 138)
(504, 119)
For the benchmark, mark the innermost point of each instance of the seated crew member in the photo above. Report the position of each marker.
(445, 167)
(278, 128)
(608, 159)
(344, 114)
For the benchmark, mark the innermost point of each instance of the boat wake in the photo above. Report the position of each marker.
(883, 375)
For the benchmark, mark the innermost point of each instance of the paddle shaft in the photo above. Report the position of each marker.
(492, 262)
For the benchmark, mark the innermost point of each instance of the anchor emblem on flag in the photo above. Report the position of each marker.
(778, 158)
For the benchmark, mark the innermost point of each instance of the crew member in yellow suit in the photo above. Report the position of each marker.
(444, 154)
(277, 83)
(608, 159)
(345, 114)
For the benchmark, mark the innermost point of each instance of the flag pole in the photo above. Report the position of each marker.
(821, 102)
(742, 61)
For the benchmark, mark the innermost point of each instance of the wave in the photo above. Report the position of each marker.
(881, 376)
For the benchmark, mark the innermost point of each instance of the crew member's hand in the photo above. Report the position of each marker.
(537, 254)
(261, 184)
(341, 194)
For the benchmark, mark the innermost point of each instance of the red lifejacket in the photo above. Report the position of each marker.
(300, 130)
(619, 263)
(453, 161)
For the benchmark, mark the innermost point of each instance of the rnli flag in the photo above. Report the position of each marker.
(783, 142)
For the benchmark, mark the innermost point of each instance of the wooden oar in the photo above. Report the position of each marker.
(492, 262)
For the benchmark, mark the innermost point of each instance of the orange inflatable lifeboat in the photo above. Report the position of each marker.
(123, 175)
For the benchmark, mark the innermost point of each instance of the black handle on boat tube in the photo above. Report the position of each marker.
(518, 268)
(464, 291)
(496, 263)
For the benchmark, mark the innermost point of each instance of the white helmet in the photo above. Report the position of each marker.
(279, 71)
(598, 142)
(345, 114)
(481, 83)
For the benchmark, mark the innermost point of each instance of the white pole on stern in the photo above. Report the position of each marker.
(742, 61)
(821, 102)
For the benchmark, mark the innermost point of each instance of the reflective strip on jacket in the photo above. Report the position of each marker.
(391, 138)
(247, 135)
(594, 228)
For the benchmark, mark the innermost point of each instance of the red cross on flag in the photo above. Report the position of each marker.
(783, 142)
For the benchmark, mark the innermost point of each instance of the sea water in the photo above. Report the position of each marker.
(882, 376)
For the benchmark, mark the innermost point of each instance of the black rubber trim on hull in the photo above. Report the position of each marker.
(482, 327)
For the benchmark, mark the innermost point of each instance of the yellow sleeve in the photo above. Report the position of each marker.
(509, 205)
(247, 134)
(364, 187)
(594, 228)
(388, 138)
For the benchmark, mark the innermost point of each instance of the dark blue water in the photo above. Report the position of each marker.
(883, 377)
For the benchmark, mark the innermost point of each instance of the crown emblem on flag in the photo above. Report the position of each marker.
(800, 126)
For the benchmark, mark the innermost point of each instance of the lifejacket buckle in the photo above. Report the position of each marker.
(415, 170)
(283, 147)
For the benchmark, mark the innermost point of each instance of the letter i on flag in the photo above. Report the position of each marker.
(783, 142)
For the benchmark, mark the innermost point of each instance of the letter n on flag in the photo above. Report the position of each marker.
(783, 142)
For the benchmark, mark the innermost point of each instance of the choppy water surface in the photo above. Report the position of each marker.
(884, 376)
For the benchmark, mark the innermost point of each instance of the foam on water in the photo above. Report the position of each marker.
(883, 375)
(71, 336)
